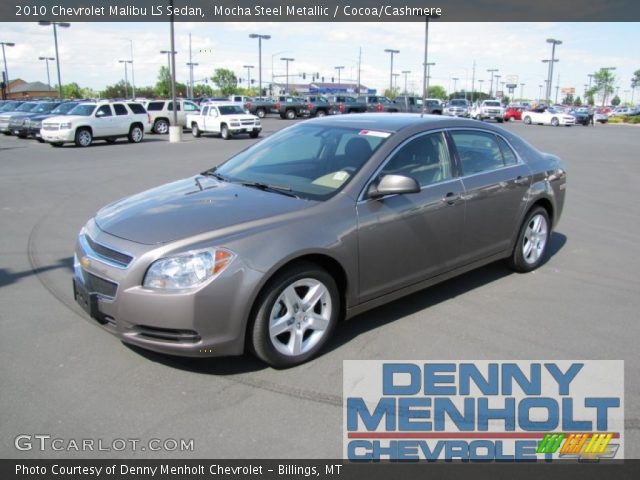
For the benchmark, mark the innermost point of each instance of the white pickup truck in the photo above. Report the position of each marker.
(224, 118)
(488, 109)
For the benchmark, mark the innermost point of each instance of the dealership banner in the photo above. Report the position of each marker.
(483, 410)
(319, 11)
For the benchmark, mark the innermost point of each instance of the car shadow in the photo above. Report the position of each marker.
(9, 277)
(358, 325)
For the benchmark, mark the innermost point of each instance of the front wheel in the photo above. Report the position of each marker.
(321, 113)
(83, 137)
(261, 113)
(533, 240)
(161, 127)
(136, 134)
(290, 114)
(254, 134)
(527, 120)
(296, 315)
(554, 122)
(224, 132)
(195, 131)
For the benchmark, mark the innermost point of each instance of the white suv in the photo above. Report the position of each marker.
(106, 120)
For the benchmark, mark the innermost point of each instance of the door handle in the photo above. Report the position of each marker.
(451, 198)
(520, 180)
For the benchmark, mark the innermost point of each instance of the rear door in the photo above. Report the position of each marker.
(404, 239)
(496, 182)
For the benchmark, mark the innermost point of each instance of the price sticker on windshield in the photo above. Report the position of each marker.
(374, 133)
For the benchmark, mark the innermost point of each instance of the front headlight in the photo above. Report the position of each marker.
(65, 126)
(188, 270)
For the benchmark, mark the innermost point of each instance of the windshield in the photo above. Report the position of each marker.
(44, 107)
(311, 161)
(231, 110)
(458, 103)
(9, 106)
(26, 107)
(383, 100)
(492, 104)
(64, 108)
(553, 110)
(83, 110)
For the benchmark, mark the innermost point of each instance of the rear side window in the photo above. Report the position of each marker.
(120, 109)
(136, 108)
(170, 107)
(479, 152)
(154, 106)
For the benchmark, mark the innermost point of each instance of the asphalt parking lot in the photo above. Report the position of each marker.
(63, 376)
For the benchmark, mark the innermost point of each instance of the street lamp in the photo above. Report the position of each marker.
(126, 78)
(248, 67)
(553, 43)
(455, 83)
(46, 59)
(55, 40)
(287, 60)
(405, 72)
(133, 78)
(391, 51)
(522, 91)
(191, 81)
(497, 77)
(395, 81)
(481, 81)
(540, 94)
(492, 71)
(339, 69)
(4, 58)
(168, 53)
(260, 38)
(427, 66)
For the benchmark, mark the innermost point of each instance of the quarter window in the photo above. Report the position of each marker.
(479, 152)
(508, 155)
(425, 158)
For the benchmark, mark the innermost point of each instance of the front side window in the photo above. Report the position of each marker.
(231, 110)
(104, 111)
(425, 158)
(190, 107)
(478, 151)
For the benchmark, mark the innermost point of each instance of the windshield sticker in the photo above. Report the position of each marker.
(373, 133)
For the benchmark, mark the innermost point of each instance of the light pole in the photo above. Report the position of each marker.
(260, 37)
(133, 78)
(126, 77)
(4, 58)
(191, 81)
(605, 93)
(427, 67)
(540, 94)
(522, 91)
(497, 77)
(55, 41)
(287, 60)
(547, 81)
(481, 81)
(46, 59)
(455, 84)
(491, 71)
(405, 72)
(553, 43)
(395, 81)
(248, 67)
(339, 69)
(168, 53)
(391, 51)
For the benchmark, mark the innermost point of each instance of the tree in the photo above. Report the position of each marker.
(163, 85)
(604, 81)
(615, 101)
(578, 101)
(635, 83)
(436, 91)
(391, 94)
(568, 100)
(71, 90)
(118, 90)
(226, 80)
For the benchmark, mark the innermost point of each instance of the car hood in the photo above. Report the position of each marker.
(189, 207)
(8, 115)
(67, 118)
(44, 116)
(239, 116)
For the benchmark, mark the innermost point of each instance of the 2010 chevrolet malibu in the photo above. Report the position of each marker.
(318, 222)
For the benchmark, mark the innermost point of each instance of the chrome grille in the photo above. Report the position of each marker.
(99, 285)
(122, 259)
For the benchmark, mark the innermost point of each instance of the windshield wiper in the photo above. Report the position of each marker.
(213, 173)
(283, 190)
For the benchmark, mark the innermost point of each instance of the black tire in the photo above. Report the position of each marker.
(554, 122)
(7, 133)
(527, 120)
(500, 120)
(255, 134)
(224, 132)
(161, 126)
(56, 144)
(136, 134)
(261, 113)
(83, 137)
(259, 337)
(290, 114)
(40, 140)
(321, 113)
(520, 262)
(195, 131)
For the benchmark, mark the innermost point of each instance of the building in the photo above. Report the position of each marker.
(18, 89)
(321, 88)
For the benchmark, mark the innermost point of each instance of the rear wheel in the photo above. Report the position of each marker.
(195, 131)
(290, 114)
(533, 240)
(83, 137)
(161, 126)
(254, 134)
(136, 134)
(321, 113)
(261, 113)
(555, 122)
(527, 120)
(296, 315)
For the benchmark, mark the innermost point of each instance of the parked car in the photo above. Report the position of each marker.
(224, 118)
(261, 107)
(581, 115)
(318, 222)
(348, 103)
(103, 120)
(547, 116)
(487, 110)
(18, 123)
(10, 106)
(413, 104)
(320, 106)
(34, 124)
(601, 116)
(378, 103)
(292, 107)
(513, 113)
(161, 113)
(18, 110)
(458, 107)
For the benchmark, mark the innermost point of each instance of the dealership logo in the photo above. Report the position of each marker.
(483, 410)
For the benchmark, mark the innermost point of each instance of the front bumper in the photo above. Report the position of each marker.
(201, 322)
(57, 135)
(4, 126)
(245, 129)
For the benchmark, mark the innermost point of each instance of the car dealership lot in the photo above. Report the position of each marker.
(65, 377)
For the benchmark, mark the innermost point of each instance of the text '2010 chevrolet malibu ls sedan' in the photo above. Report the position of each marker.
(319, 222)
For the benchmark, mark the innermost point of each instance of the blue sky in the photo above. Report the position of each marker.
(89, 52)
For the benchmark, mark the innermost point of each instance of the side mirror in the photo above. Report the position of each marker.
(100, 113)
(393, 185)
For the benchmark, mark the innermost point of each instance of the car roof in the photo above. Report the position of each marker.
(395, 122)
(226, 103)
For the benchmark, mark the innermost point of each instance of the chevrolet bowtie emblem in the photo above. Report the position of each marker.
(84, 261)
